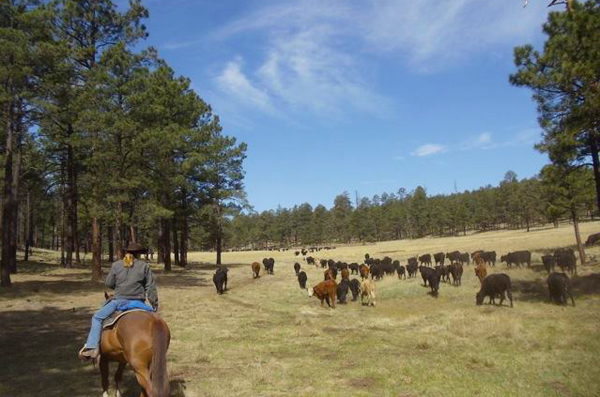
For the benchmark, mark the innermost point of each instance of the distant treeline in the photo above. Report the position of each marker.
(513, 204)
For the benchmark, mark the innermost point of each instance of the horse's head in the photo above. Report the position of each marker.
(108, 296)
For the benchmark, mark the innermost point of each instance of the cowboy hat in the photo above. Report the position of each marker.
(135, 247)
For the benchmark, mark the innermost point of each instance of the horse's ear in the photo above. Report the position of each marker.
(105, 295)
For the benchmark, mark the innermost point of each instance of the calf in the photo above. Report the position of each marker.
(456, 270)
(412, 268)
(592, 239)
(220, 279)
(559, 286)
(367, 289)
(444, 272)
(493, 285)
(376, 272)
(297, 268)
(364, 271)
(354, 288)
(401, 270)
(454, 256)
(302, 279)
(269, 264)
(480, 271)
(353, 268)
(549, 263)
(425, 259)
(565, 258)
(439, 258)
(517, 258)
(255, 269)
(464, 258)
(432, 277)
(342, 290)
(325, 291)
(345, 274)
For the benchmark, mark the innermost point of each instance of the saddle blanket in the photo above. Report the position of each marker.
(112, 320)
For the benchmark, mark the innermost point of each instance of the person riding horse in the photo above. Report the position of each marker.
(132, 280)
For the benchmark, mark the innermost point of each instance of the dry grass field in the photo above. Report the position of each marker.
(266, 337)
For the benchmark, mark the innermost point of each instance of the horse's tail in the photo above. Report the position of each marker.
(158, 366)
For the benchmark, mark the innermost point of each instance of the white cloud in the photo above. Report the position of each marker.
(314, 55)
(233, 81)
(428, 150)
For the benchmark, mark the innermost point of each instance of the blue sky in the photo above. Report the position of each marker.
(365, 96)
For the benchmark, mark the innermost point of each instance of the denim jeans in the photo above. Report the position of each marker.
(105, 311)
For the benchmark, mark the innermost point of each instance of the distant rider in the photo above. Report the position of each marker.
(132, 279)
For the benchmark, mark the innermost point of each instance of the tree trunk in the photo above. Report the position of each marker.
(175, 242)
(111, 247)
(593, 143)
(166, 244)
(7, 203)
(183, 242)
(159, 243)
(96, 251)
(29, 239)
(118, 231)
(578, 239)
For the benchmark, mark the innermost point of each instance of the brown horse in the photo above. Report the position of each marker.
(140, 339)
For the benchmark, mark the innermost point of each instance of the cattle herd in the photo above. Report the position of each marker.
(493, 286)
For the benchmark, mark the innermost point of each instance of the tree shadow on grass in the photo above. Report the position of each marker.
(39, 356)
(537, 290)
(39, 351)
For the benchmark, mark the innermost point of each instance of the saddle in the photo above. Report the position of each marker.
(112, 320)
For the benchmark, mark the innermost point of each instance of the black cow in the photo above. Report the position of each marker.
(412, 268)
(454, 256)
(565, 258)
(269, 263)
(401, 270)
(323, 263)
(297, 253)
(494, 285)
(334, 272)
(489, 257)
(559, 286)
(439, 258)
(353, 268)
(376, 271)
(367, 256)
(592, 239)
(310, 260)
(456, 270)
(444, 272)
(342, 291)
(425, 259)
(517, 258)
(549, 263)
(220, 279)
(463, 258)
(432, 277)
(302, 279)
(355, 288)
(297, 268)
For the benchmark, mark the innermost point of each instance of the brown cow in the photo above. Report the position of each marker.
(328, 274)
(255, 269)
(345, 274)
(480, 270)
(367, 288)
(325, 291)
(364, 271)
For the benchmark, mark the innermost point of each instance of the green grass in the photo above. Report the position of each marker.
(266, 337)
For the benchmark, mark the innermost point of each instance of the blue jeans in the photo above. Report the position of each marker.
(105, 311)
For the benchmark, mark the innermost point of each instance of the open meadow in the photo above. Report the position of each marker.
(266, 337)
